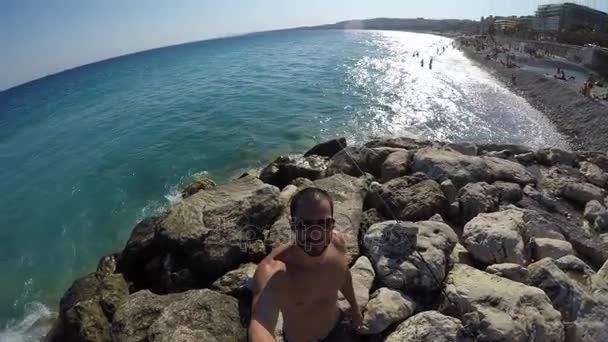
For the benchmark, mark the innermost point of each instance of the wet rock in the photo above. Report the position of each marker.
(442, 164)
(385, 308)
(235, 281)
(395, 165)
(328, 148)
(212, 228)
(552, 156)
(595, 175)
(283, 170)
(582, 193)
(429, 326)
(476, 198)
(199, 182)
(508, 192)
(357, 160)
(550, 248)
(363, 275)
(394, 249)
(513, 272)
(525, 158)
(507, 310)
(406, 198)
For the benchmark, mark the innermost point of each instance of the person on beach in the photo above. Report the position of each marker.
(301, 279)
(431, 64)
(422, 63)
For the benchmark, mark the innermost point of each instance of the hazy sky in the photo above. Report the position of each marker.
(42, 37)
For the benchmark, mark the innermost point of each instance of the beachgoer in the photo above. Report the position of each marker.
(422, 63)
(431, 63)
(513, 79)
(301, 279)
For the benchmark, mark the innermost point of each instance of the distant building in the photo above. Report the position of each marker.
(569, 17)
(506, 23)
(527, 23)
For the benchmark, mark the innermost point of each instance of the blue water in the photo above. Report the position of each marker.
(87, 153)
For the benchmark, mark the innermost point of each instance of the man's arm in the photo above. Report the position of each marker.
(265, 306)
(347, 288)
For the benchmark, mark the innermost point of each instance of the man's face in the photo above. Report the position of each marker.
(313, 225)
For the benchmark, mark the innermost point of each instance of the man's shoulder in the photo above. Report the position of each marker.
(339, 242)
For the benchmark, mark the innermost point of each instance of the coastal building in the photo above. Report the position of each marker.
(506, 23)
(568, 17)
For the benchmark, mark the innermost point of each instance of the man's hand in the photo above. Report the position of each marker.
(356, 319)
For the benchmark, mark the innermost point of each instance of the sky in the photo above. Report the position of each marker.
(38, 38)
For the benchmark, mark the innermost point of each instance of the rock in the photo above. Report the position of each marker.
(495, 238)
(407, 143)
(235, 281)
(449, 190)
(406, 199)
(356, 160)
(441, 164)
(460, 255)
(525, 158)
(504, 154)
(476, 198)
(594, 174)
(363, 275)
(287, 193)
(598, 158)
(454, 210)
(283, 170)
(86, 321)
(395, 165)
(142, 246)
(592, 210)
(513, 272)
(576, 269)
(385, 308)
(468, 149)
(328, 148)
(113, 292)
(256, 251)
(550, 248)
(511, 148)
(552, 156)
(301, 182)
(370, 217)
(508, 192)
(585, 313)
(394, 249)
(195, 313)
(429, 326)
(199, 182)
(212, 228)
(507, 310)
(582, 193)
(601, 222)
(437, 218)
(603, 272)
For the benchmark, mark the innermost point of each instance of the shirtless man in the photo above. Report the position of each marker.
(302, 279)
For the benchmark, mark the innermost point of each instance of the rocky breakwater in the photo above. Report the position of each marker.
(448, 242)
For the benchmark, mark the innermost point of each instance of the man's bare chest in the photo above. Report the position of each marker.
(312, 287)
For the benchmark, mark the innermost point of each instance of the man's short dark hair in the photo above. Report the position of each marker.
(308, 194)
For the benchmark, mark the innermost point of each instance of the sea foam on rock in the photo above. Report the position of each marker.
(511, 236)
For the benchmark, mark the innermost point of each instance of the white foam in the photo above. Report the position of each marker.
(36, 323)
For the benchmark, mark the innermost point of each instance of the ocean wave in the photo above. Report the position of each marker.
(35, 324)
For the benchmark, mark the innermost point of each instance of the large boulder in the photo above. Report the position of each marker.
(235, 281)
(508, 192)
(385, 308)
(582, 193)
(598, 158)
(328, 148)
(442, 164)
(513, 272)
(212, 229)
(586, 313)
(86, 322)
(363, 275)
(505, 310)
(199, 182)
(595, 175)
(476, 198)
(357, 160)
(550, 248)
(395, 165)
(430, 326)
(410, 256)
(593, 209)
(495, 238)
(552, 156)
(411, 199)
(408, 143)
(283, 170)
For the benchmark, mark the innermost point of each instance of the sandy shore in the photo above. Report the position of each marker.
(583, 120)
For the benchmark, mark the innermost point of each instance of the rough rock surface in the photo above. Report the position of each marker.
(356, 160)
(385, 308)
(595, 175)
(409, 199)
(550, 248)
(476, 198)
(582, 193)
(552, 156)
(513, 272)
(507, 310)
(328, 148)
(363, 275)
(395, 165)
(283, 170)
(236, 280)
(430, 326)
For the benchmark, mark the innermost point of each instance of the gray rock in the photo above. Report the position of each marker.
(385, 308)
(575, 268)
(586, 313)
(143, 245)
(454, 210)
(601, 222)
(582, 193)
(357, 160)
(429, 326)
(449, 190)
(476, 198)
(468, 149)
(395, 165)
(507, 310)
(407, 199)
(235, 281)
(408, 143)
(363, 275)
(512, 148)
(302, 182)
(603, 272)
(213, 227)
(594, 174)
(395, 247)
(495, 238)
(283, 170)
(508, 192)
(552, 156)
(199, 182)
(287, 193)
(460, 255)
(550, 248)
(442, 164)
(595, 157)
(504, 154)
(525, 158)
(592, 210)
(86, 322)
(513, 272)
(328, 148)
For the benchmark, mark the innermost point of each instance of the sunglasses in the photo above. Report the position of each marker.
(327, 223)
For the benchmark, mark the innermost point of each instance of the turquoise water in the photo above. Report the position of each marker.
(87, 153)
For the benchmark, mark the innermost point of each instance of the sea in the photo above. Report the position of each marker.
(87, 153)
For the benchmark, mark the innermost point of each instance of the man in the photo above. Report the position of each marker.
(302, 279)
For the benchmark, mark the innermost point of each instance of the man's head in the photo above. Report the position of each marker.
(312, 220)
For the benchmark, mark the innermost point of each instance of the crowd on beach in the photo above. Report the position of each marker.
(440, 51)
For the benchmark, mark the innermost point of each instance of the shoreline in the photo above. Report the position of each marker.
(582, 120)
